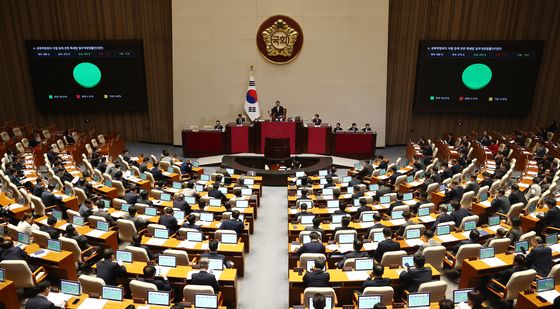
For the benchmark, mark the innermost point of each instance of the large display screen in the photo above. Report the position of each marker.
(490, 77)
(100, 76)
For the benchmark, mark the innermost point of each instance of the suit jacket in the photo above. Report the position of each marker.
(14, 253)
(312, 247)
(182, 205)
(505, 275)
(49, 199)
(454, 194)
(415, 277)
(443, 217)
(351, 255)
(316, 278)
(540, 259)
(53, 233)
(472, 186)
(162, 285)
(131, 197)
(39, 302)
(517, 197)
(317, 121)
(277, 111)
(110, 271)
(38, 190)
(376, 282)
(214, 255)
(514, 235)
(234, 225)
(216, 194)
(500, 204)
(205, 278)
(169, 221)
(316, 229)
(385, 246)
(156, 172)
(459, 214)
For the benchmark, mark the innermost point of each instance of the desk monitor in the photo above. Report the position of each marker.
(170, 170)
(461, 295)
(108, 183)
(199, 188)
(190, 200)
(206, 216)
(346, 238)
(409, 178)
(486, 253)
(418, 300)
(54, 245)
(310, 264)
(407, 261)
(230, 171)
(23, 238)
(443, 229)
(96, 178)
(305, 239)
(246, 191)
(229, 238)
(521, 246)
(215, 264)
(346, 179)
(382, 172)
(165, 197)
(413, 234)
(327, 191)
(143, 176)
(493, 220)
(125, 206)
(102, 226)
(322, 181)
(215, 202)
(483, 197)
(2, 275)
(356, 202)
(407, 196)
(442, 187)
(552, 239)
(336, 219)
(545, 284)
(195, 164)
(79, 221)
(179, 214)
(385, 199)
(397, 214)
(333, 203)
(367, 216)
(328, 302)
(241, 204)
(159, 298)
(67, 191)
(205, 301)
(423, 212)
(469, 225)
(150, 211)
(364, 264)
(350, 190)
(205, 177)
(70, 287)
(57, 214)
(167, 260)
(298, 182)
(223, 190)
(194, 236)
(248, 181)
(124, 256)
(378, 236)
(368, 301)
(177, 185)
(323, 173)
(357, 166)
(374, 187)
(161, 233)
(306, 219)
(112, 293)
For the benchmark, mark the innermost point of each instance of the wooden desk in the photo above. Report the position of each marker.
(114, 304)
(108, 192)
(58, 264)
(8, 295)
(530, 301)
(16, 212)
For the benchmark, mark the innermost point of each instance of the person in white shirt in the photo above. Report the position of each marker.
(26, 224)
(534, 189)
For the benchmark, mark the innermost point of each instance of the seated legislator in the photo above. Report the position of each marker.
(375, 278)
(215, 192)
(234, 223)
(190, 223)
(353, 128)
(278, 113)
(150, 277)
(413, 277)
(474, 236)
(108, 270)
(316, 227)
(551, 218)
(50, 229)
(317, 277)
(357, 253)
(442, 217)
(131, 196)
(518, 265)
(540, 257)
(314, 246)
(204, 277)
(41, 301)
(386, 245)
(168, 220)
(429, 235)
(367, 128)
(144, 198)
(239, 120)
(345, 222)
(218, 126)
(338, 128)
(316, 120)
(137, 242)
(180, 203)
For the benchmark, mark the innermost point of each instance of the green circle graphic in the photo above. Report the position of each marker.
(87, 74)
(477, 76)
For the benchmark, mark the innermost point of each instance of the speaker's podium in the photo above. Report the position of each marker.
(276, 149)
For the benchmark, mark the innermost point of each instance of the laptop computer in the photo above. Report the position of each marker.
(143, 176)
(206, 217)
(336, 219)
(230, 171)
(165, 197)
(483, 197)
(194, 236)
(368, 301)
(215, 264)
(350, 190)
(346, 238)
(409, 178)
(54, 245)
(177, 185)
(356, 202)
(367, 216)
(327, 191)
(346, 179)
(205, 177)
(248, 181)
(443, 229)
(423, 212)
(179, 214)
(23, 238)
(418, 300)
(159, 298)
(170, 170)
(125, 207)
(57, 214)
(205, 301)
(364, 264)
(114, 293)
(413, 234)
(79, 221)
(306, 219)
(70, 287)
(199, 188)
(2, 274)
(552, 239)
(521, 246)
(161, 233)
(305, 239)
(195, 163)
(246, 191)
(486, 253)
(108, 183)
(229, 238)
(167, 260)
(190, 200)
(493, 220)
(396, 214)
(378, 236)
(124, 256)
(374, 187)
(241, 204)
(150, 211)
(407, 197)
(223, 190)
(545, 284)
(357, 166)
(469, 226)
(322, 181)
(102, 226)
(215, 202)
(333, 204)
(385, 200)
(328, 302)
(407, 261)
(382, 172)
(461, 296)
(300, 174)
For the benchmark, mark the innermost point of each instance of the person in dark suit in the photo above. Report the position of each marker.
(314, 246)
(40, 301)
(51, 155)
(341, 209)
(515, 232)
(363, 207)
(12, 253)
(501, 203)
(215, 192)
(540, 257)
(317, 277)
(376, 223)
(353, 128)
(316, 120)
(277, 112)
(551, 217)
(337, 128)
(414, 277)
(156, 172)
(204, 277)
(458, 213)
(357, 192)
(442, 217)
(375, 279)
(234, 223)
(218, 126)
(139, 222)
(48, 198)
(454, 193)
(102, 165)
(345, 222)
(191, 223)
(357, 253)
(316, 227)
(50, 229)
(131, 196)
(180, 203)
(475, 299)
(239, 120)
(367, 128)
(108, 270)
(213, 253)
(137, 242)
(150, 277)
(386, 245)
(39, 187)
(14, 178)
(519, 264)
(168, 220)
(474, 237)
(472, 185)
(144, 199)
(330, 182)
(516, 196)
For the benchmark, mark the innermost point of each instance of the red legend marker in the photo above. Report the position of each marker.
(77, 96)
(460, 98)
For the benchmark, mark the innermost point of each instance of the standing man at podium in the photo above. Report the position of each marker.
(277, 113)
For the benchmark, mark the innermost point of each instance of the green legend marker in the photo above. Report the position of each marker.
(50, 96)
(432, 98)
(87, 74)
(477, 76)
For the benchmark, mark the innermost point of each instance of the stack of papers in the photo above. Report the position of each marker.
(188, 244)
(156, 241)
(370, 246)
(89, 303)
(95, 233)
(398, 222)
(118, 214)
(447, 238)
(58, 299)
(550, 296)
(345, 248)
(414, 242)
(359, 275)
(493, 262)
(332, 247)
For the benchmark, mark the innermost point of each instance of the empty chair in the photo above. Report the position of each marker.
(181, 256)
(39, 209)
(346, 232)
(527, 236)
(120, 188)
(126, 230)
(71, 214)
(500, 245)
(513, 212)
(465, 251)
(467, 199)
(190, 290)
(494, 187)
(19, 272)
(91, 285)
(555, 272)
(153, 226)
(422, 227)
(140, 289)
(431, 189)
(80, 257)
(436, 289)
(434, 256)
(40, 237)
(218, 234)
(310, 292)
(386, 293)
(519, 282)
(482, 191)
(401, 208)
(138, 254)
(392, 258)
(400, 180)
(80, 195)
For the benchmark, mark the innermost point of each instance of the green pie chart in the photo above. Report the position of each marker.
(87, 74)
(477, 76)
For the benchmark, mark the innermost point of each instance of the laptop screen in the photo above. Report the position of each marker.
(461, 296)
(368, 301)
(215, 202)
(2, 275)
(195, 163)
(125, 207)
(179, 214)
(167, 260)
(102, 226)
(241, 204)
(166, 197)
(483, 197)
(206, 216)
(443, 229)
(378, 236)
(68, 191)
(112, 293)
(306, 219)
(385, 199)
(170, 170)
(328, 191)
(322, 181)
(246, 191)
(143, 176)
(70, 287)
(215, 264)
(413, 233)
(205, 177)
(190, 200)
(357, 166)
(305, 239)
(350, 190)
(545, 284)
(161, 233)
(367, 216)
(374, 187)
(205, 301)
(552, 239)
(150, 211)
(57, 214)
(199, 188)
(229, 238)
(336, 219)
(521, 245)
(493, 220)
(346, 238)
(194, 236)
(223, 190)
(364, 264)
(23, 238)
(124, 256)
(230, 171)
(79, 221)
(382, 172)
(346, 179)
(323, 173)
(158, 298)
(407, 196)
(470, 225)
(487, 252)
(418, 300)
(328, 302)
(248, 181)
(333, 203)
(356, 202)
(397, 214)
(54, 245)
(300, 174)
(410, 179)
(108, 183)
(407, 261)
(177, 185)
(422, 212)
